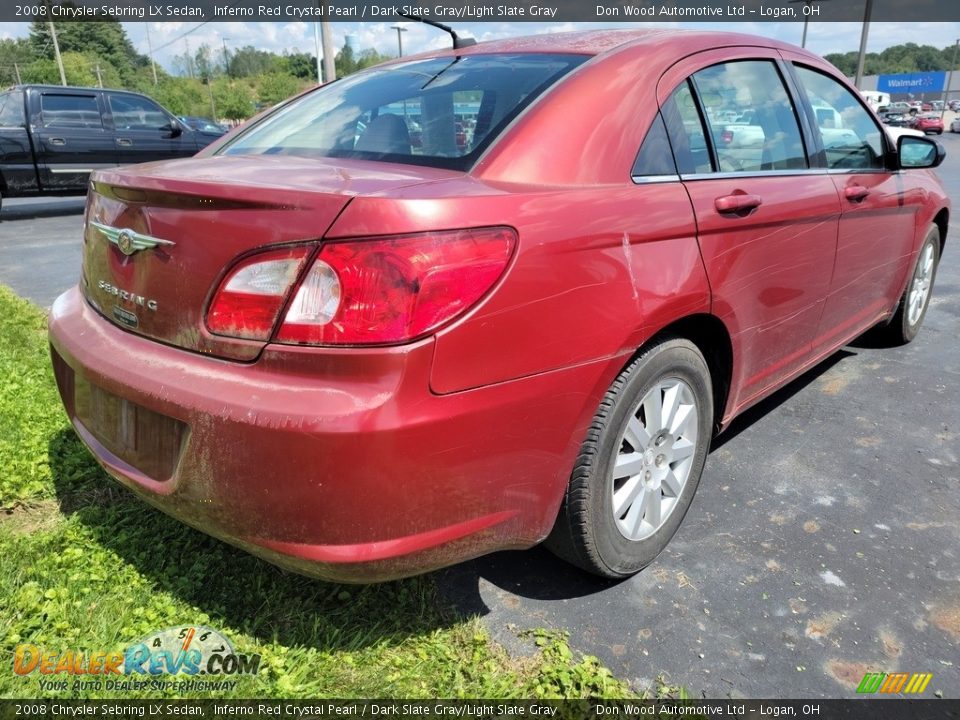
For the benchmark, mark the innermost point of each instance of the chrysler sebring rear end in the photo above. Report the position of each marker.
(362, 342)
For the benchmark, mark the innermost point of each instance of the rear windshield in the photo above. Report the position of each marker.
(440, 112)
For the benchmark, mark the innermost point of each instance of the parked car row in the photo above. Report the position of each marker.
(926, 123)
(53, 137)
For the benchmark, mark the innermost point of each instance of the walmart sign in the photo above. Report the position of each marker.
(916, 83)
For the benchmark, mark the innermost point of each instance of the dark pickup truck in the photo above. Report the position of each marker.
(52, 137)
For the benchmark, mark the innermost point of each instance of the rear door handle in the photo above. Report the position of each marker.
(57, 141)
(855, 193)
(126, 142)
(737, 204)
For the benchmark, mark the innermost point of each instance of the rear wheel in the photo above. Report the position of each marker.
(913, 305)
(640, 464)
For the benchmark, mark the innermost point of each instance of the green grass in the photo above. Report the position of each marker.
(86, 566)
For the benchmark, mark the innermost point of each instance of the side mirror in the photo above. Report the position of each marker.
(919, 152)
(176, 130)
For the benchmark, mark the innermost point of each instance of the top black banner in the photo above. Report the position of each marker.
(620, 11)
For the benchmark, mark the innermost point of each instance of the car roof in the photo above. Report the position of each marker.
(599, 42)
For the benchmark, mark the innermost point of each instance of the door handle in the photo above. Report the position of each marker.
(57, 141)
(737, 204)
(855, 193)
(126, 142)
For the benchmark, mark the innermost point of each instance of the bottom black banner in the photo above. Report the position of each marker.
(859, 709)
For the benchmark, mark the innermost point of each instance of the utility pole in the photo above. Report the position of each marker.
(186, 44)
(400, 30)
(16, 69)
(213, 107)
(329, 67)
(867, 10)
(56, 51)
(153, 64)
(946, 92)
(99, 78)
(319, 52)
(226, 57)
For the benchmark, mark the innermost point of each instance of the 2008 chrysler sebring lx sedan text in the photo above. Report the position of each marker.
(484, 297)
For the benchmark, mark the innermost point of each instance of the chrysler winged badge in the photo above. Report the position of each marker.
(127, 240)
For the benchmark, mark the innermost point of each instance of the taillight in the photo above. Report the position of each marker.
(727, 136)
(394, 289)
(249, 299)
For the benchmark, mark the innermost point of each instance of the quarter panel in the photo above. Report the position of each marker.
(596, 273)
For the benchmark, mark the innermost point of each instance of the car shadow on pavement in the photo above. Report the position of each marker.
(231, 587)
(537, 574)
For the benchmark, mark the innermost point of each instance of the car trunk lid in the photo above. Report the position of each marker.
(159, 237)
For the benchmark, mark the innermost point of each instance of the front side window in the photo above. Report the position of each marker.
(750, 117)
(11, 110)
(70, 111)
(440, 112)
(851, 139)
(131, 112)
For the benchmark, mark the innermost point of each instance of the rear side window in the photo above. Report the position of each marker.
(11, 110)
(131, 112)
(851, 139)
(441, 112)
(750, 117)
(687, 135)
(70, 111)
(655, 158)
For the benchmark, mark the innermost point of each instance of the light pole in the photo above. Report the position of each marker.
(806, 17)
(400, 29)
(867, 10)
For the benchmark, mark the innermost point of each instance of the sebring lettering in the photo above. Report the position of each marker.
(127, 296)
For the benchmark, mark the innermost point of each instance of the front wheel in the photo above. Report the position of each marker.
(912, 309)
(640, 464)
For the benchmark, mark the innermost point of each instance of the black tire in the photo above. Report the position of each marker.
(586, 532)
(900, 330)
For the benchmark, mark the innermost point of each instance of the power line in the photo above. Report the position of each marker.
(181, 36)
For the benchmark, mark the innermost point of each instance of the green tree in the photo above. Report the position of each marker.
(344, 62)
(302, 65)
(14, 54)
(234, 99)
(371, 57)
(274, 87)
(106, 40)
(248, 61)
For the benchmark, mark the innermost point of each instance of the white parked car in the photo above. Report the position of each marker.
(955, 125)
(895, 132)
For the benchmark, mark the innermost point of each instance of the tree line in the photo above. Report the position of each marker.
(906, 58)
(209, 82)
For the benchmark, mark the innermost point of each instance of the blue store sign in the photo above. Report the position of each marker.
(922, 82)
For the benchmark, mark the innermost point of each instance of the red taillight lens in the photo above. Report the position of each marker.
(727, 136)
(248, 301)
(389, 290)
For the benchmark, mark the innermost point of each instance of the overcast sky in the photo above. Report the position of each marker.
(299, 36)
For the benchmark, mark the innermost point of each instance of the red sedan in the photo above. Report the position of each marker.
(931, 123)
(362, 358)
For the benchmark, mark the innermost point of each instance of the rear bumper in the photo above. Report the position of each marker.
(335, 463)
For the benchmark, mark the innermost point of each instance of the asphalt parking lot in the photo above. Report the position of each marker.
(824, 541)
